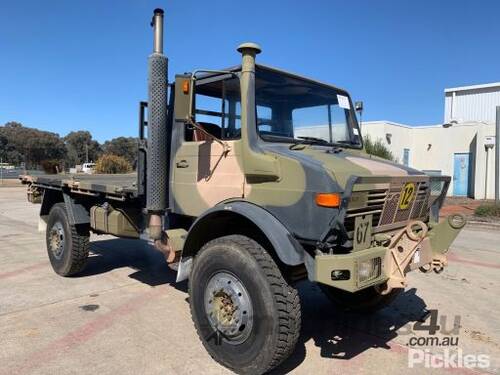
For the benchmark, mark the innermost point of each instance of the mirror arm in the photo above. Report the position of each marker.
(225, 147)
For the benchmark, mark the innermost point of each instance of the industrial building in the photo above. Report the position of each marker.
(461, 147)
(459, 151)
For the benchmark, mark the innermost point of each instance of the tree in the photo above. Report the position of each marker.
(109, 163)
(79, 144)
(51, 166)
(13, 124)
(3, 146)
(125, 147)
(377, 148)
(22, 144)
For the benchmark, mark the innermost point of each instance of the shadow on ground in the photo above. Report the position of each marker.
(340, 335)
(149, 264)
(344, 335)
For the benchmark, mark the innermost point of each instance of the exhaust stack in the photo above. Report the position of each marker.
(158, 134)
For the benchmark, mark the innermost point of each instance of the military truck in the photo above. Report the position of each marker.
(235, 192)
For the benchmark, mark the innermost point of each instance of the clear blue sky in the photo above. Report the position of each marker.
(69, 65)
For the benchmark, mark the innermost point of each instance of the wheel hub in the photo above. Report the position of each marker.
(56, 240)
(228, 307)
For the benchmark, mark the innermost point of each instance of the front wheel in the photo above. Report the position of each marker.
(245, 313)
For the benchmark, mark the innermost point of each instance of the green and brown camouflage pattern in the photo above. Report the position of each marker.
(283, 181)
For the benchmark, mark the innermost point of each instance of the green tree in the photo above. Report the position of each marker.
(377, 148)
(78, 145)
(109, 163)
(125, 147)
(3, 146)
(29, 145)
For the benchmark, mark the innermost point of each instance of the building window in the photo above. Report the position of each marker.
(406, 156)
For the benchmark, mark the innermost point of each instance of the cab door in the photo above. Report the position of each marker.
(207, 168)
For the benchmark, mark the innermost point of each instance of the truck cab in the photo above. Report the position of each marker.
(263, 139)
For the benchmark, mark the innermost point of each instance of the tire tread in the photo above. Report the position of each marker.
(80, 243)
(286, 299)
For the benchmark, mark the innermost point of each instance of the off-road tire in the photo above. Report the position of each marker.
(365, 301)
(276, 305)
(75, 244)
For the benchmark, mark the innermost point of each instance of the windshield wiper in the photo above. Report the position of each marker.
(310, 141)
(313, 140)
(348, 144)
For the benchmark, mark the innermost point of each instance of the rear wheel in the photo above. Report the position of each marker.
(67, 245)
(245, 313)
(366, 300)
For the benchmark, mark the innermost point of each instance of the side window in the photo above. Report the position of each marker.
(208, 109)
(231, 120)
(217, 111)
(264, 118)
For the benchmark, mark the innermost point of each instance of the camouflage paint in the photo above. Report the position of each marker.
(281, 180)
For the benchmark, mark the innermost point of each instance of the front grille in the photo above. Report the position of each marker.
(374, 206)
(383, 204)
(417, 208)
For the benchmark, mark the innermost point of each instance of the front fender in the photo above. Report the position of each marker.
(287, 248)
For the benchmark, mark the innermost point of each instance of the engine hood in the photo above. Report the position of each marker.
(342, 164)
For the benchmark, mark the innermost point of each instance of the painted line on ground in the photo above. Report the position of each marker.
(19, 271)
(84, 333)
(454, 258)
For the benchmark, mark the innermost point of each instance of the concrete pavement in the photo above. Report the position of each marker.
(124, 314)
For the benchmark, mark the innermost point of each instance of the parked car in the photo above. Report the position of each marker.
(88, 168)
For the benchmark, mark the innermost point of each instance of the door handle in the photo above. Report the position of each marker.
(182, 164)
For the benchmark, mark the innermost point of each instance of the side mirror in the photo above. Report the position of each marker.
(358, 106)
(184, 97)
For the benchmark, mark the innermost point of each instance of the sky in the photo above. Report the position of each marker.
(73, 65)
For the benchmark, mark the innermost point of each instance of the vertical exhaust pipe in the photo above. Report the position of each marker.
(158, 134)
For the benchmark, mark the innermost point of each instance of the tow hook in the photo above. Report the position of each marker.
(438, 264)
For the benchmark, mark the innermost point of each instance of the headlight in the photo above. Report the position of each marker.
(369, 269)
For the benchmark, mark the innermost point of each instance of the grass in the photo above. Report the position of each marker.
(488, 210)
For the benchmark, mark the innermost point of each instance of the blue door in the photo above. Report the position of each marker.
(461, 174)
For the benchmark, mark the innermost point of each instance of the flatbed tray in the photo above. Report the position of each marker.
(113, 184)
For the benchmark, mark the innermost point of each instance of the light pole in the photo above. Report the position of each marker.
(497, 155)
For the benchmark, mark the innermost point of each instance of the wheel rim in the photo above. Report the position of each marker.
(228, 307)
(56, 240)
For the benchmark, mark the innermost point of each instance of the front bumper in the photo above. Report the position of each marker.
(418, 245)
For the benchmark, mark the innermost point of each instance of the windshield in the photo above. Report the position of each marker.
(289, 108)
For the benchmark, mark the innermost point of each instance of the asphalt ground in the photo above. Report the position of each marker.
(125, 315)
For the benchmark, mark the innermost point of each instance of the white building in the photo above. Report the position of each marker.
(458, 151)
(472, 103)
(461, 147)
